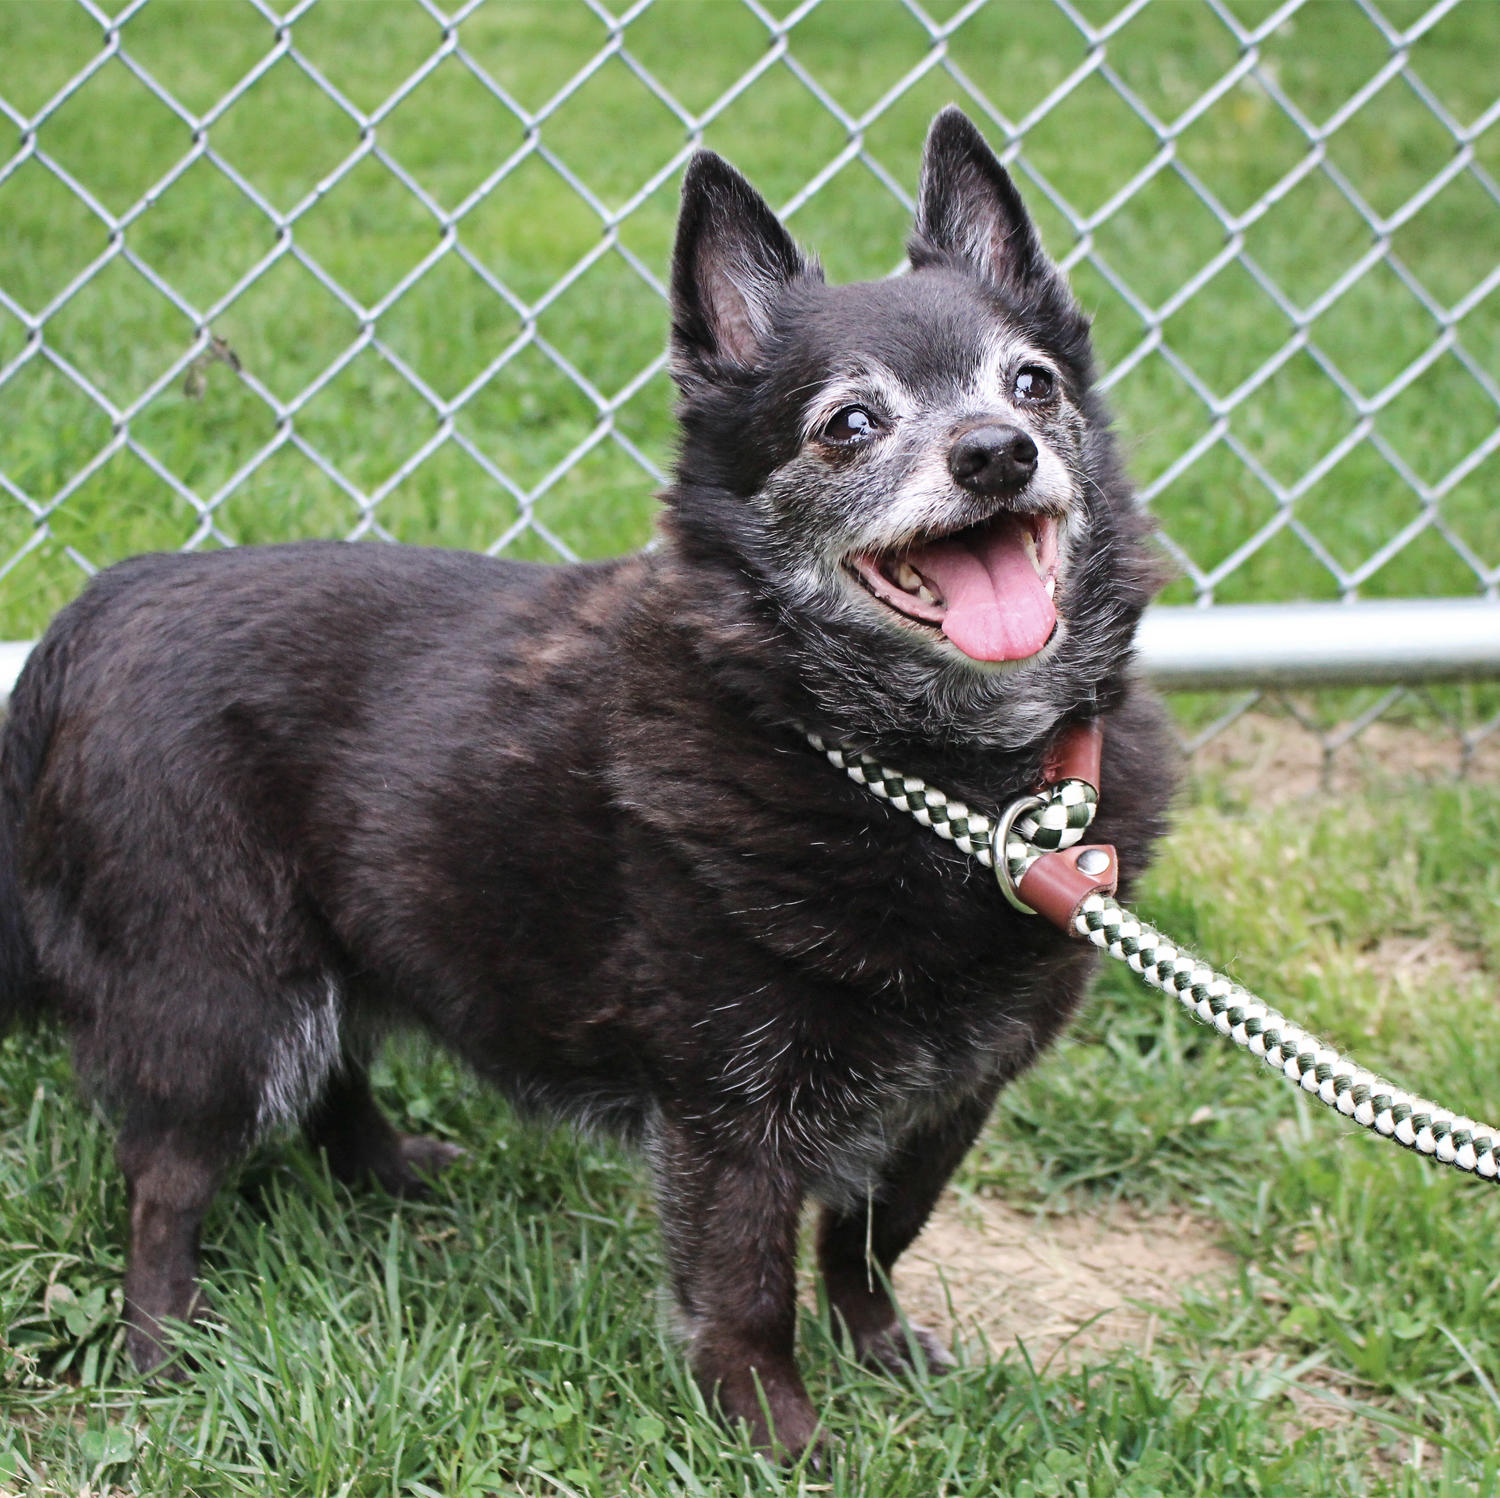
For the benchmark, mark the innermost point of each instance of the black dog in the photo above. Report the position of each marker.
(260, 805)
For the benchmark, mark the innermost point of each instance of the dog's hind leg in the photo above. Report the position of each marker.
(197, 1071)
(171, 1174)
(361, 1145)
(859, 1246)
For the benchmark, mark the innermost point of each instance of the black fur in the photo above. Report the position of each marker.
(257, 806)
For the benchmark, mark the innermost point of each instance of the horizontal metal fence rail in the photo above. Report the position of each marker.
(1290, 646)
(1263, 646)
(1210, 647)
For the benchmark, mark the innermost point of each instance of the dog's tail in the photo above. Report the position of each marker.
(24, 740)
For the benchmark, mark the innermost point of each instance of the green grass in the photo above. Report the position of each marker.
(504, 1337)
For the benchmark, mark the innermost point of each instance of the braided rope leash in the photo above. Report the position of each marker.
(1036, 850)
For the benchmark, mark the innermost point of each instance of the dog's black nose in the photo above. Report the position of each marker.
(993, 459)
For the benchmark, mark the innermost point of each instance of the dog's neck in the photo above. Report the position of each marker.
(721, 634)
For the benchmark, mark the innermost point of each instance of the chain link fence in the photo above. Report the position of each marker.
(384, 270)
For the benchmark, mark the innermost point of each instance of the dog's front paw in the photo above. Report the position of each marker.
(769, 1401)
(792, 1433)
(906, 1349)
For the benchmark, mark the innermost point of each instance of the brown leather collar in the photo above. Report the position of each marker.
(1056, 884)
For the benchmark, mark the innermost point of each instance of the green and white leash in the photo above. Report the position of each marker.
(1035, 848)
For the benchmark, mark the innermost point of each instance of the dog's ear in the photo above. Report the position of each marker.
(732, 263)
(968, 209)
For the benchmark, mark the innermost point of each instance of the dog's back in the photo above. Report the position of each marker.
(214, 785)
(220, 776)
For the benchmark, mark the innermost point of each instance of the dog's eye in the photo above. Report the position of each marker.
(1033, 384)
(850, 425)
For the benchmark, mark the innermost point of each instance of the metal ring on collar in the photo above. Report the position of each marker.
(1012, 814)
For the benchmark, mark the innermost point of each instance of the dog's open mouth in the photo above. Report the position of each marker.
(988, 588)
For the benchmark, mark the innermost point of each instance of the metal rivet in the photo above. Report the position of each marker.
(1093, 861)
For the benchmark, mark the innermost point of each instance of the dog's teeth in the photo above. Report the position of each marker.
(909, 578)
(1029, 541)
(1051, 585)
(925, 594)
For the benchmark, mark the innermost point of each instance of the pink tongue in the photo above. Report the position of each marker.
(997, 607)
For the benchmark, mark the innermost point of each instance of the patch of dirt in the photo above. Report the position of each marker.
(1272, 759)
(1071, 1287)
(1408, 969)
(1411, 963)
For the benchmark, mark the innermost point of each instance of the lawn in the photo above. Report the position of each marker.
(505, 1337)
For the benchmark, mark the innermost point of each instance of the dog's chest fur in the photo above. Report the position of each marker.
(852, 974)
